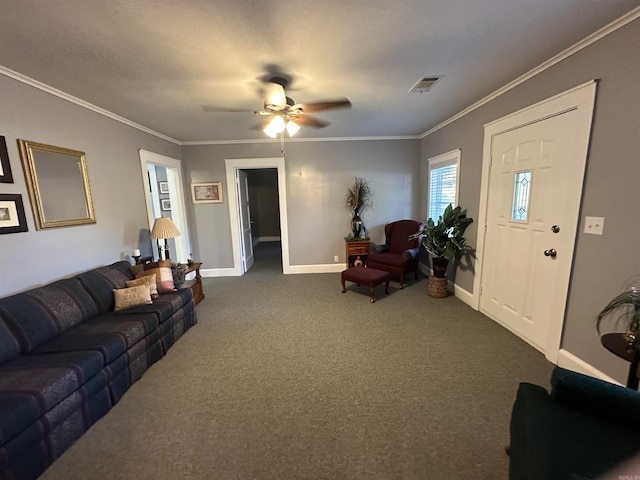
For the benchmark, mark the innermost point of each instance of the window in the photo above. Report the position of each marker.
(443, 182)
(521, 190)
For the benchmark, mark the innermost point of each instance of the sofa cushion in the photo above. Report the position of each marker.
(387, 258)
(100, 283)
(38, 315)
(110, 345)
(131, 329)
(164, 306)
(9, 347)
(31, 385)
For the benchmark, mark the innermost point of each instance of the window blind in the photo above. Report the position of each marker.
(442, 188)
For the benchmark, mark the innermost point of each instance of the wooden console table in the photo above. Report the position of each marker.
(357, 253)
(196, 284)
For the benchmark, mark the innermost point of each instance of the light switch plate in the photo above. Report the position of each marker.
(594, 225)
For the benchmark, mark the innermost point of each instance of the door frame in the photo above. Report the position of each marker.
(580, 98)
(183, 243)
(231, 167)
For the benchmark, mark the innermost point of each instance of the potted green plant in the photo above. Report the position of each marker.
(625, 307)
(358, 197)
(444, 240)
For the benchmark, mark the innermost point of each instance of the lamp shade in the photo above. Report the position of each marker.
(164, 228)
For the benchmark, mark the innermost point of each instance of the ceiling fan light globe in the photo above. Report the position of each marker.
(275, 98)
(275, 126)
(292, 128)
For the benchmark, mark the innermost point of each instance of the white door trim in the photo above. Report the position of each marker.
(580, 98)
(183, 248)
(231, 165)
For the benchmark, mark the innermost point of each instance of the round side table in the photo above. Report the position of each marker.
(618, 345)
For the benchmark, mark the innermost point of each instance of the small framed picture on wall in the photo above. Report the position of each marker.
(163, 187)
(165, 204)
(5, 166)
(206, 192)
(12, 217)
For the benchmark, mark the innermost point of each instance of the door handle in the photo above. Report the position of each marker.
(550, 253)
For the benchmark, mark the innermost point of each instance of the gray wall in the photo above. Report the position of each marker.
(38, 257)
(265, 209)
(602, 263)
(317, 177)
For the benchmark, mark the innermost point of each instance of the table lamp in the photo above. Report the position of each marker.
(164, 228)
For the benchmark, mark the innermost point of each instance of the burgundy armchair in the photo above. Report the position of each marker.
(399, 255)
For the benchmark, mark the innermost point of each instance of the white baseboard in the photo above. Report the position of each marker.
(219, 272)
(259, 240)
(571, 362)
(463, 295)
(269, 239)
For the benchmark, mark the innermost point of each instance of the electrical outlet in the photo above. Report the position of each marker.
(335, 258)
(594, 225)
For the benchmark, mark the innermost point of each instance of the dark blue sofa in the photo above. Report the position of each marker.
(66, 358)
(585, 428)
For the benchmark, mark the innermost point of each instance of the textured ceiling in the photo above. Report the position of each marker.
(157, 63)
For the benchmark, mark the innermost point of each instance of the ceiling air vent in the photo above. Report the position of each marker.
(424, 84)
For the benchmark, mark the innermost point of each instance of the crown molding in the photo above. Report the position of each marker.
(7, 72)
(298, 140)
(594, 37)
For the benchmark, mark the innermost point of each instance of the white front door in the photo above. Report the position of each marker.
(245, 220)
(535, 185)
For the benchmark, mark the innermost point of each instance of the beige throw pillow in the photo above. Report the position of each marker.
(145, 280)
(130, 297)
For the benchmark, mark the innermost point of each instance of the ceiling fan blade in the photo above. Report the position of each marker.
(213, 108)
(324, 105)
(308, 121)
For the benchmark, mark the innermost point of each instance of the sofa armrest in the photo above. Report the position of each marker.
(596, 397)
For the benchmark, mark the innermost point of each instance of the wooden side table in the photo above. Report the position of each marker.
(357, 253)
(618, 345)
(196, 284)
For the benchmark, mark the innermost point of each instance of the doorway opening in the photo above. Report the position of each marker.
(162, 183)
(265, 218)
(258, 212)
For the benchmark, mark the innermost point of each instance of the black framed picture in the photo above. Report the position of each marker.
(5, 166)
(12, 217)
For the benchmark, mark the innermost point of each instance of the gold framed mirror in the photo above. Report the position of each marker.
(58, 184)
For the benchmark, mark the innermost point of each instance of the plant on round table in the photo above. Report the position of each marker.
(445, 240)
(626, 308)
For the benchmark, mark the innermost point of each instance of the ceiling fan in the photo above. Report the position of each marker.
(284, 114)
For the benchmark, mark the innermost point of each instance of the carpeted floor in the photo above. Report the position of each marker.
(284, 377)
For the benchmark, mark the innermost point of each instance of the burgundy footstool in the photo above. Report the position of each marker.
(369, 277)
